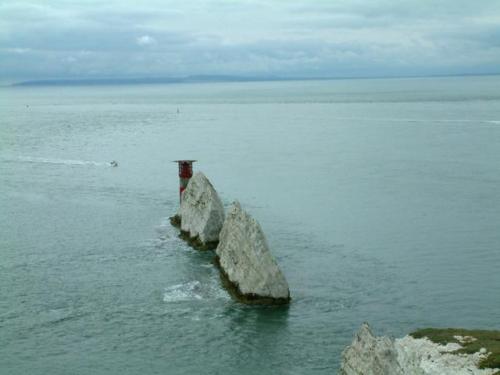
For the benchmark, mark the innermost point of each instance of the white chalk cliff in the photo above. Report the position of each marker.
(201, 212)
(246, 261)
(370, 355)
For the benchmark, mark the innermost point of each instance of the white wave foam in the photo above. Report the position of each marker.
(189, 291)
(165, 234)
(195, 291)
(164, 229)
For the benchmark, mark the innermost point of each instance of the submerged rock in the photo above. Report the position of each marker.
(369, 355)
(246, 263)
(201, 214)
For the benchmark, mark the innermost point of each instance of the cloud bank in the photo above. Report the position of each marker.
(61, 39)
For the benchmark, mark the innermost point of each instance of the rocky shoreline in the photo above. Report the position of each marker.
(418, 354)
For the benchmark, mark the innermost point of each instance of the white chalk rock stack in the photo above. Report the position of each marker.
(247, 263)
(201, 213)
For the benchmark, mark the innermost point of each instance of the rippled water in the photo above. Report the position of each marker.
(380, 200)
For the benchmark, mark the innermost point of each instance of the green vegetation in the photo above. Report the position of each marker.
(485, 339)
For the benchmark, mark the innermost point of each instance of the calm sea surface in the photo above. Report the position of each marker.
(380, 199)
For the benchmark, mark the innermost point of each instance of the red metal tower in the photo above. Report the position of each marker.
(185, 174)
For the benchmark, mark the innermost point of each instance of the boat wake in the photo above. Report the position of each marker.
(28, 159)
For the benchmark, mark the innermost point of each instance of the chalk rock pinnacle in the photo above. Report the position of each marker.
(201, 213)
(247, 263)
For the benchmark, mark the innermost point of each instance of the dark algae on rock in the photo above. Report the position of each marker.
(195, 242)
(175, 221)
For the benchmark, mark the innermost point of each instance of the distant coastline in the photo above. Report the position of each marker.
(150, 81)
(209, 79)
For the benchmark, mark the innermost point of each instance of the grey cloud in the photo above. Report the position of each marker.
(404, 9)
(57, 38)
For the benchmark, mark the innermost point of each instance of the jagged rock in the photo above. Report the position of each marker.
(201, 214)
(246, 263)
(369, 355)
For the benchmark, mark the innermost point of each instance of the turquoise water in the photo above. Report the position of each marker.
(380, 199)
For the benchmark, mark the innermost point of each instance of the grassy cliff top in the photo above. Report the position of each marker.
(490, 340)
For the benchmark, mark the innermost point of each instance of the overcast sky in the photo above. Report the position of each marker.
(303, 38)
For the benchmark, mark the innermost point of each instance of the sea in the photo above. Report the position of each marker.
(380, 200)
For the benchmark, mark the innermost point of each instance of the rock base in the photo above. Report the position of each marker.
(249, 299)
(195, 241)
(175, 221)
